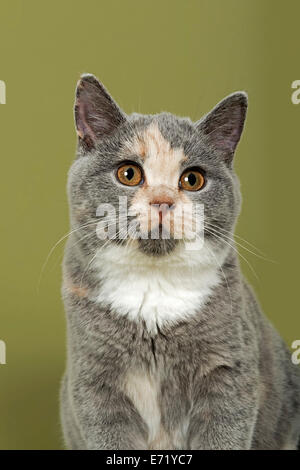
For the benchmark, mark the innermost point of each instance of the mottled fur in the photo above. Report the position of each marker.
(167, 349)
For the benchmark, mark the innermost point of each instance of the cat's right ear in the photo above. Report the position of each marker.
(223, 126)
(96, 113)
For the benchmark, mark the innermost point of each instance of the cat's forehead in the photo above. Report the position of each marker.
(164, 126)
(160, 158)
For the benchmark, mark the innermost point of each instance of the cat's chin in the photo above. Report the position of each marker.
(158, 247)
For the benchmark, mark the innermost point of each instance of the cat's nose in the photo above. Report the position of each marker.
(163, 203)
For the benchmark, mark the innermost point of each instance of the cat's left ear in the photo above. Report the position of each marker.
(96, 113)
(223, 126)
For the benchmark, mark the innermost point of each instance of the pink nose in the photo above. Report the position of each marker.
(164, 202)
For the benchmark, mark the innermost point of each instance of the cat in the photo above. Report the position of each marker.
(167, 346)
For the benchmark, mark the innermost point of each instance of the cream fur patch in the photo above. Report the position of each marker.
(161, 162)
(162, 172)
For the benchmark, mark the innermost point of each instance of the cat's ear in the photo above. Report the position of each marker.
(223, 126)
(96, 113)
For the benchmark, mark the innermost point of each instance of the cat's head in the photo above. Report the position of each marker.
(158, 166)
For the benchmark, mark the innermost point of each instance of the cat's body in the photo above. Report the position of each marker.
(167, 347)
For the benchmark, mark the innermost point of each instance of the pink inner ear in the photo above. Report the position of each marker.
(83, 129)
(233, 139)
(227, 141)
(96, 114)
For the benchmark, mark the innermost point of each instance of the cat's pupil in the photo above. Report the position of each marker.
(129, 173)
(192, 179)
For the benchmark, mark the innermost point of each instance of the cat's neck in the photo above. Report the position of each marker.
(158, 290)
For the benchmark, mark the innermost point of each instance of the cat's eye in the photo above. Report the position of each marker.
(192, 180)
(130, 174)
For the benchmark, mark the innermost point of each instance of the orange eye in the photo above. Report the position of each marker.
(130, 174)
(192, 180)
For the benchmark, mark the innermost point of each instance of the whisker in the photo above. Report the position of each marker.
(242, 246)
(245, 259)
(237, 236)
(96, 254)
(87, 224)
(224, 276)
(54, 247)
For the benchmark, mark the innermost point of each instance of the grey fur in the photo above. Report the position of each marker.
(226, 377)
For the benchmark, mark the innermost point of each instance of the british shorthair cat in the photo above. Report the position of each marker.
(167, 345)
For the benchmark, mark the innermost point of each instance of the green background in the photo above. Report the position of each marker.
(181, 56)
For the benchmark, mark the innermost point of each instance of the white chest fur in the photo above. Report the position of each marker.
(161, 290)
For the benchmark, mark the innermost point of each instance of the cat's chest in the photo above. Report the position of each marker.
(144, 391)
(156, 296)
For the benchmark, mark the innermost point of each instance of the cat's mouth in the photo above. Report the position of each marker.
(157, 242)
(157, 247)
